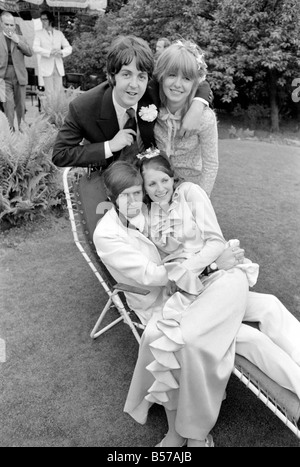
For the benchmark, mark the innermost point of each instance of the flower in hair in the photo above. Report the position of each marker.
(149, 113)
(149, 153)
(198, 54)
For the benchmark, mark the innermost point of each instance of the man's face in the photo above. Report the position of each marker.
(130, 201)
(160, 46)
(8, 24)
(45, 22)
(130, 85)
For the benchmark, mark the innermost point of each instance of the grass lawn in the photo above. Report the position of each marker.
(60, 388)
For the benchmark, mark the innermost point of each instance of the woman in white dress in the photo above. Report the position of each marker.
(187, 353)
(182, 224)
(179, 70)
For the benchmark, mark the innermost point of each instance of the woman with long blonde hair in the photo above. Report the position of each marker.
(179, 70)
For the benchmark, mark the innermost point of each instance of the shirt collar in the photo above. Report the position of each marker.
(120, 111)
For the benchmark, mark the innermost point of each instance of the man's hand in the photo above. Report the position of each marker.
(123, 138)
(230, 257)
(190, 122)
(56, 52)
(14, 37)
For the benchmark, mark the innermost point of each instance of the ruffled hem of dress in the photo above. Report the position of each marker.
(164, 351)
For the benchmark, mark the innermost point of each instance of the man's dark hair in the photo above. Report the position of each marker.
(50, 16)
(123, 50)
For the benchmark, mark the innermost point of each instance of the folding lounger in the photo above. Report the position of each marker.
(87, 203)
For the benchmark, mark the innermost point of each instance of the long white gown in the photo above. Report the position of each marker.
(187, 352)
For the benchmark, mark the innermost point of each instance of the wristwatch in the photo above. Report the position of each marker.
(213, 267)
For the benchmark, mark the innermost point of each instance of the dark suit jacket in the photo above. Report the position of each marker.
(92, 117)
(17, 52)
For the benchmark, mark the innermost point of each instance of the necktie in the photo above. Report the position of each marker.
(131, 122)
(129, 152)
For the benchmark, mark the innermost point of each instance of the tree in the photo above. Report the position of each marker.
(253, 41)
(114, 5)
(173, 19)
(89, 52)
(252, 47)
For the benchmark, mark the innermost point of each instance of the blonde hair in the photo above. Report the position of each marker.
(185, 57)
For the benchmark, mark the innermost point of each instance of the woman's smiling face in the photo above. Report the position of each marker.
(177, 88)
(158, 185)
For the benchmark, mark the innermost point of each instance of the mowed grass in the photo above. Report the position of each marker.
(61, 388)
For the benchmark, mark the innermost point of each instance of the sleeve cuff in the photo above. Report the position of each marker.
(201, 100)
(251, 270)
(107, 150)
(186, 280)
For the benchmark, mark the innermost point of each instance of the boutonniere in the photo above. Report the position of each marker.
(149, 113)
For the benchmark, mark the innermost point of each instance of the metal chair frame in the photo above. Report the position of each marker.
(245, 371)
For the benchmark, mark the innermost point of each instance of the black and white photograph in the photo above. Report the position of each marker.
(149, 226)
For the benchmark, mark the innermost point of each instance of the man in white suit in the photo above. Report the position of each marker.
(52, 46)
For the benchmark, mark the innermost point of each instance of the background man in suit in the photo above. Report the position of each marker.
(13, 73)
(98, 117)
(52, 46)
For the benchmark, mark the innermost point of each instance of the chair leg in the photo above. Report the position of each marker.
(269, 403)
(96, 332)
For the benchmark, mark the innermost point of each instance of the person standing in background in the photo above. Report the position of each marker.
(52, 46)
(161, 44)
(13, 73)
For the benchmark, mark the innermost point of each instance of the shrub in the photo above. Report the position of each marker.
(55, 107)
(29, 181)
(255, 116)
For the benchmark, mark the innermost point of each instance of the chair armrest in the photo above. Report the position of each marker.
(130, 288)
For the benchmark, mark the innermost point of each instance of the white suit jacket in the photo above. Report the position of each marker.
(132, 259)
(43, 44)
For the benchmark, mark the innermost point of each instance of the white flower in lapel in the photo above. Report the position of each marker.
(149, 113)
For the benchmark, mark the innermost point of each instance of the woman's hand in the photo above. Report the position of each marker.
(230, 257)
(191, 120)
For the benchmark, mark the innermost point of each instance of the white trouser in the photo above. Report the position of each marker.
(53, 84)
(275, 349)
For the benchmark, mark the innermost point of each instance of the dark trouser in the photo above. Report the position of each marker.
(15, 95)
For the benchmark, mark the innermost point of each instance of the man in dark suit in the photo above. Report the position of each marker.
(13, 73)
(95, 130)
